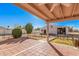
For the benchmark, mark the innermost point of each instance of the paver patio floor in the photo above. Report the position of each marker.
(31, 47)
(27, 47)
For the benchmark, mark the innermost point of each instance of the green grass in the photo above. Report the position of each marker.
(63, 41)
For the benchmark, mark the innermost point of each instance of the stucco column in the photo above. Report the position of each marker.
(47, 30)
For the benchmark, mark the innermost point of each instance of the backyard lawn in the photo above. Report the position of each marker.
(63, 41)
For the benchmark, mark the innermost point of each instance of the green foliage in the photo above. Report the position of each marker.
(18, 26)
(29, 28)
(17, 33)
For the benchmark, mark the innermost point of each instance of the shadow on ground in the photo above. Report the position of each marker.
(12, 40)
(56, 50)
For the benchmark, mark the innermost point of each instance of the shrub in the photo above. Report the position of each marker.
(29, 28)
(17, 33)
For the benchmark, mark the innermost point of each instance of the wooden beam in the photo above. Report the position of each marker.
(61, 10)
(53, 6)
(51, 10)
(44, 10)
(74, 8)
(32, 10)
(75, 17)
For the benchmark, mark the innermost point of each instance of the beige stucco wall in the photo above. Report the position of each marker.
(67, 30)
(1, 31)
(53, 29)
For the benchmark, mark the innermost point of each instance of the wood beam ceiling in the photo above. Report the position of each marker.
(74, 8)
(61, 10)
(53, 6)
(52, 12)
(44, 10)
(32, 10)
(76, 17)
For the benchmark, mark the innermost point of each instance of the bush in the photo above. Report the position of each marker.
(29, 28)
(17, 33)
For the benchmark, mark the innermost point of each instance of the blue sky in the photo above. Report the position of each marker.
(11, 15)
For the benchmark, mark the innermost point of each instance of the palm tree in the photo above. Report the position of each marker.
(8, 27)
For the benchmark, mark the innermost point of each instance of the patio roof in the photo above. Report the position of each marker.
(52, 12)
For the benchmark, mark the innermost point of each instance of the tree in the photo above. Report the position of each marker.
(18, 26)
(29, 28)
(16, 32)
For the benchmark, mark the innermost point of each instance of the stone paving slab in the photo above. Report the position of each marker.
(31, 47)
(12, 49)
(67, 50)
(43, 49)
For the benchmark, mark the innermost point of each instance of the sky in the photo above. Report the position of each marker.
(11, 15)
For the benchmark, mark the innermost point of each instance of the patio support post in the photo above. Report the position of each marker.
(47, 31)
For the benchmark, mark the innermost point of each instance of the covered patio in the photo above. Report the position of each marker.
(50, 13)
